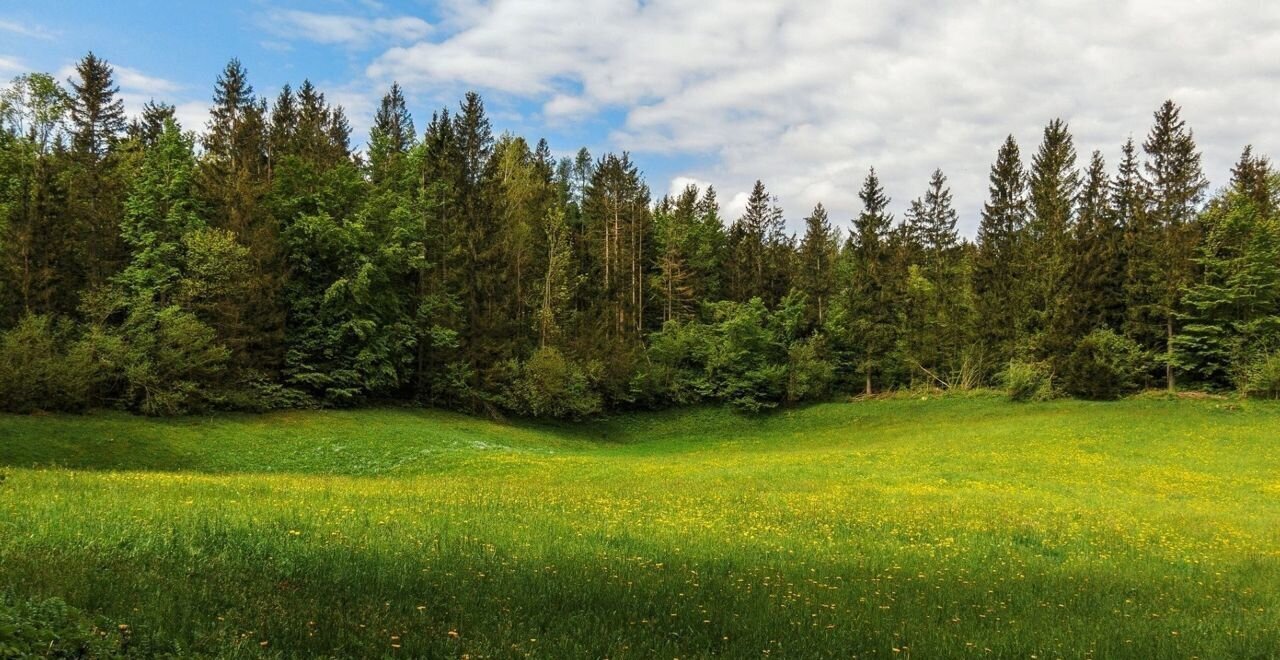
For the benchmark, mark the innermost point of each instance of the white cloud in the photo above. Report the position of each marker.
(26, 30)
(679, 183)
(808, 94)
(338, 29)
(132, 82)
(11, 65)
(191, 115)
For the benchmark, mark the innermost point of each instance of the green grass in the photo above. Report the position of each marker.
(952, 527)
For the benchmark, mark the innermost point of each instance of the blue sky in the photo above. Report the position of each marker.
(804, 94)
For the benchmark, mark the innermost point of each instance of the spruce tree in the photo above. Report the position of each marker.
(1177, 187)
(816, 262)
(1097, 261)
(96, 188)
(1053, 185)
(999, 279)
(1230, 319)
(234, 179)
(864, 325)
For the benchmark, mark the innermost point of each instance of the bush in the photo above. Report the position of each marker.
(1262, 379)
(809, 373)
(746, 363)
(674, 370)
(173, 363)
(41, 369)
(1103, 366)
(1028, 381)
(548, 384)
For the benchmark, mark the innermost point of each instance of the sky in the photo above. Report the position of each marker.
(805, 95)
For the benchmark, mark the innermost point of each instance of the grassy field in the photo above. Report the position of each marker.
(951, 527)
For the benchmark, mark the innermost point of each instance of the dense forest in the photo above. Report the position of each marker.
(264, 262)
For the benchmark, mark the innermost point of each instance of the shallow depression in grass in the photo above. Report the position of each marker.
(937, 528)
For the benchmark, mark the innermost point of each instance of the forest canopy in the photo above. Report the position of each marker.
(263, 261)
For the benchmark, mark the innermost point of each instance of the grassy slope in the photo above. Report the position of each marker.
(947, 527)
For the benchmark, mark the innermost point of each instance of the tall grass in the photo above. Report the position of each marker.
(949, 527)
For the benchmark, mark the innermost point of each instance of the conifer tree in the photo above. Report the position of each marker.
(1053, 185)
(816, 263)
(865, 322)
(1177, 186)
(96, 188)
(1231, 317)
(999, 279)
(1097, 263)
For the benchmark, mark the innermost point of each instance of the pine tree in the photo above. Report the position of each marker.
(1053, 184)
(96, 187)
(1231, 317)
(392, 135)
(1097, 262)
(759, 251)
(1177, 187)
(935, 322)
(1251, 177)
(999, 278)
(234, 179)
(816, 262)
(865, 323)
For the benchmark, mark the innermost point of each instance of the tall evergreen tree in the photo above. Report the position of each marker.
(96, 187)
(1053, 185)
(816, 264)
(865, 321)
(1096, 291)
(1232, 312)
(937, 301)
(233, 179)
(759, 251)
(1177, 187)
(391, 138)
(999, 281)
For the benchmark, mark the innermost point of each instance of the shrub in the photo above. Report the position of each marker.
(1262, 379)
(1103, 366)
(40, 369)
(1028, 381)
(809, 373)
(551, 385)
(174, 364)
(674, 370)
(746, 363)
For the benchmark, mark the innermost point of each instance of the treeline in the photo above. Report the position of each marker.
(265, 263)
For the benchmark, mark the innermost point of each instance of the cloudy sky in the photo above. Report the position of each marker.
(805, 95)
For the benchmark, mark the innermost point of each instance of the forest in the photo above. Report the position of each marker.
(267, 261)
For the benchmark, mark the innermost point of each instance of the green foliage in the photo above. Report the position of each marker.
(43, 368)
(1103, 366)
(674, 370)
(50, 628)
(810, 373)
(477, 272)
(171, 361)
(1028, 381)
(549, 385)
(1261, 379)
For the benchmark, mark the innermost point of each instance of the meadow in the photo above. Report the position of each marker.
(948, 527)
